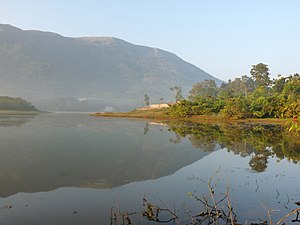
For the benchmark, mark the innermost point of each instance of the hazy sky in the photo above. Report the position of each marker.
(222, 37)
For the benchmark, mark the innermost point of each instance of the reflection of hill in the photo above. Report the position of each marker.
(55, 151)
(14, 121)
(259, 141)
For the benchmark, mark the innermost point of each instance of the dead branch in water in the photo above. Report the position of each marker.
(288, 215)
(152, 212)
(215, 210)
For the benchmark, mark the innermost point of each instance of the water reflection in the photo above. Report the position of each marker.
(258, 141)
(146, 128)
(49, 151)
(74, 150)
(14, 120)
(123, 160)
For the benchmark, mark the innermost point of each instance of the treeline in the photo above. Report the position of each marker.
(15, 104)
(254, 96)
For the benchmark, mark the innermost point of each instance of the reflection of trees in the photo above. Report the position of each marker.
(292, 150)
(146, 128)
(206, 144)
(200, 135)
(258, 162)
(258, 141)
(176, 139)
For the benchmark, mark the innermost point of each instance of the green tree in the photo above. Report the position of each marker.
(225, 90)
(259, 107)
(178, 92)
(292, 86)
(278, 84)
(206, 106)
(182, 108)
(147, 100)
(237, 88)
(235, 108)
(206, 88)
(260, 73)
(253, 96)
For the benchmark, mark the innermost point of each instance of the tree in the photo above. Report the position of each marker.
(260, 74)
(292, 86)
(225, 90)
(237, 88)
(278, 84)
(146, 99)
(206, 88)
(244, 97)
(178, 92)
(250, 84)
(235, 108)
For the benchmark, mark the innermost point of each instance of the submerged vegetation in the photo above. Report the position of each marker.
(255, 96)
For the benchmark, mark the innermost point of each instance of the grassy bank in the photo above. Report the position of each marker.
(160, 114)
(151, 114)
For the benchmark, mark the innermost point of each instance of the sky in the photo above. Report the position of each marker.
(223, 37)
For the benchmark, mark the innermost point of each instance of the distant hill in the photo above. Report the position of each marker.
(15, 104)
(88, 74)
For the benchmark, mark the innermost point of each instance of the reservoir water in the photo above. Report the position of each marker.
(71, 168)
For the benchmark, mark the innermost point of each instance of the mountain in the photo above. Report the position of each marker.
(15, 104)
(90, 73)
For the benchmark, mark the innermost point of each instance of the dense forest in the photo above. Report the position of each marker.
(254, 96)
(15, 104)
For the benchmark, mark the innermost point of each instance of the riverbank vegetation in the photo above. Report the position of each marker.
(250, 99)
(254, 96)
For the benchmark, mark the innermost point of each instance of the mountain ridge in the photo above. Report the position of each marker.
(53, 71)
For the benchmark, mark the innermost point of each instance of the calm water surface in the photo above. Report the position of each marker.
(64, 168)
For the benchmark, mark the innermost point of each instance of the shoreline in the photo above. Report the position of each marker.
(14, 112)
(158, 115)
